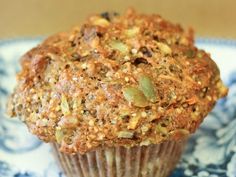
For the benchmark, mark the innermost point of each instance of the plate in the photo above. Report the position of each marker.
(211, 151)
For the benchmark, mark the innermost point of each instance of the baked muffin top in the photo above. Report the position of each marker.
(116, 80)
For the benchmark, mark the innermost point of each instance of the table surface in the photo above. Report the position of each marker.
(211, 18)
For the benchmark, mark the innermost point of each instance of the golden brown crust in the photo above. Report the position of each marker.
(116, 80)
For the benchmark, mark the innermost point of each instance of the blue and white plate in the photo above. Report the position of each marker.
(211, 152)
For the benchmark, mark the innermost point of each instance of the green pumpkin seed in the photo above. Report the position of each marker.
(132, 31)
(73, 121)
(200, 54)
(59, 135)
(120, 46)
(124, 114)
(135, 96)
(133, 122)
(145, 142)
(161, 129)
(190, 53)
(100, 22)
(147, 87)
(125, 134)
(64, 105)
(165, 49)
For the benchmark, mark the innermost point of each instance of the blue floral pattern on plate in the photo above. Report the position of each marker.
(211, 151)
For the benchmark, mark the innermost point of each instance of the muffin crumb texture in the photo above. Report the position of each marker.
(116, 80)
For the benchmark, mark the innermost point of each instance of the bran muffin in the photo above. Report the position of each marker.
(117, 95)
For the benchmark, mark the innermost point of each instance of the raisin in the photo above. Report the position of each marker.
(146, 51)
(140, 60)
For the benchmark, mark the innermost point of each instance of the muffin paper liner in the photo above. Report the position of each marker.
(139, 161)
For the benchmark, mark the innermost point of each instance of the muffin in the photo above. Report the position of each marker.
(118, 95)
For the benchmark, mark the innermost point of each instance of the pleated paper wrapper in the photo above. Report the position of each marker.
(139, 161)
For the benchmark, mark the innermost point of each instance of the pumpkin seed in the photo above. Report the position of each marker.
(161, 129)
(195, 116)
(100, 22)
(145, 142)
(200, 54)
(132, 31)
(120, 46)
(135, 96)
(76, 103)
(59, 135)
(124, 113)
(73, 121)
(133, 122)
(64, 105)
(125, 134)
(147, 87)
(164, 48)
(190, 53)
(145, 129)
